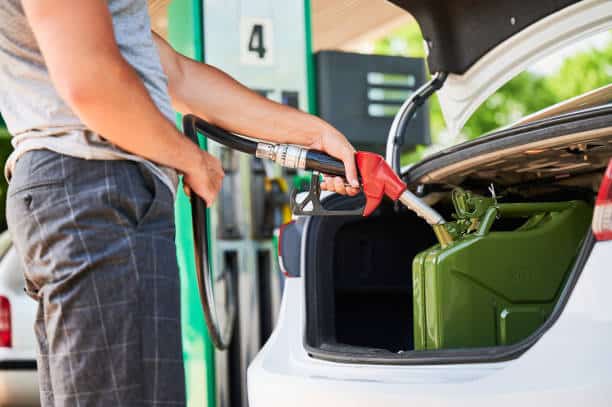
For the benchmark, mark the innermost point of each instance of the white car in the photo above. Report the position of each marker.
(356, 326)
(18, 379)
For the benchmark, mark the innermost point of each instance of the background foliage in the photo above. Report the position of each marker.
(524, 94)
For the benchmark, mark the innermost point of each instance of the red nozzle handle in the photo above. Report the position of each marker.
(377, 177)
(378, 180)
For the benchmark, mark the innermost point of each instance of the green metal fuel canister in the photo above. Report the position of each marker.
(495, 287)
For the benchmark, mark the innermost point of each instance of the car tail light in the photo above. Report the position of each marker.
(5, 323)
(602, 217)
(281, 235)
(289, 243)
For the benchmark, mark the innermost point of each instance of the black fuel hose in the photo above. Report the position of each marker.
(315, 160)
(221, 338)
(192, 124)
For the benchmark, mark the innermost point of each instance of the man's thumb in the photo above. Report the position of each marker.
(351, 171)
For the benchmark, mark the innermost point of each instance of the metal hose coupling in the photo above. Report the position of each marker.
(285, 155)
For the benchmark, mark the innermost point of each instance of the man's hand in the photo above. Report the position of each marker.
(205, 179)
(336, 145)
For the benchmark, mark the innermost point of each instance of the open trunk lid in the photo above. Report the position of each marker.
(483, 44)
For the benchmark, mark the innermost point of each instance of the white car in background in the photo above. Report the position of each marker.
(345, 334)
(18, 379)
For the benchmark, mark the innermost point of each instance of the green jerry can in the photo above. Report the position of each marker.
(489, 287)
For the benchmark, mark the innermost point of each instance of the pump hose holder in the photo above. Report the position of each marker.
(221, 338)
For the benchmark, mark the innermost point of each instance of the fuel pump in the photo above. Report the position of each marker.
(265, 45)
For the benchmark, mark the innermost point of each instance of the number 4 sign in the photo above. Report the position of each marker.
(256, 41)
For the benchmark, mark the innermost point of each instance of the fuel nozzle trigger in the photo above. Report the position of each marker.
(377, 179)
(311, 204)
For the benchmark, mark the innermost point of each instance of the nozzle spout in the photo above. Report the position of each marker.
(416, 204)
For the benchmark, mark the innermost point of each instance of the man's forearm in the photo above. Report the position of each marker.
(212, 94)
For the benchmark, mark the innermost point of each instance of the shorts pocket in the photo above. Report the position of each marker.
(150, 203)
(36, 185)
(37, 169)
(32, 214)
(132, 193)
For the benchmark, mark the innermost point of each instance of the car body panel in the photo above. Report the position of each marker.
(555, 371)
(23, 308)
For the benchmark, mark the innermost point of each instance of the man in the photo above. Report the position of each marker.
(87, 91)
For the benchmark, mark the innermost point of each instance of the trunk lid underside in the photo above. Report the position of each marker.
(482, 44)
(458, 33)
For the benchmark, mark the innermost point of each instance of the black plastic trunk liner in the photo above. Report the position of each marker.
(373, 281)
(362, 287)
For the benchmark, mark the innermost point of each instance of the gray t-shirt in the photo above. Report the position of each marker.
(36, 115)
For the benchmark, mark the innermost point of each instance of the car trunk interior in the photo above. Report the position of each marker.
(370, 288)
(359, 271)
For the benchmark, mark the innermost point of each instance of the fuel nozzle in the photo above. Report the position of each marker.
(379, 180)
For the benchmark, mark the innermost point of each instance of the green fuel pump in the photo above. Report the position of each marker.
(268, 49)
(185, 33)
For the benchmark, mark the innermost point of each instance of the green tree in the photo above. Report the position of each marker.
(526, 93)
(582, 72)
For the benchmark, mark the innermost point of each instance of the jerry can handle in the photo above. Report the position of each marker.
(518, 210)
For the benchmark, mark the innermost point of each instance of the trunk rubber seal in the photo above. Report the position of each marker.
(598, 117)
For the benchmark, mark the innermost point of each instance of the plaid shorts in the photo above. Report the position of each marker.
(97, 243)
